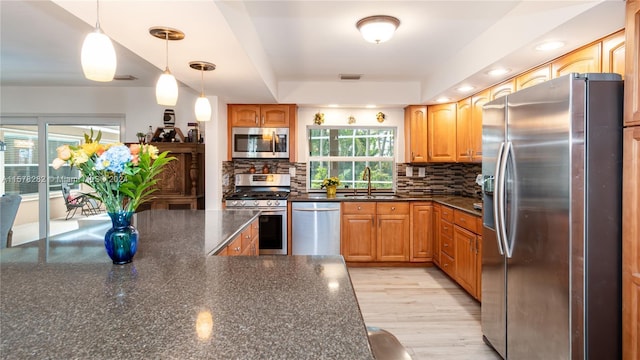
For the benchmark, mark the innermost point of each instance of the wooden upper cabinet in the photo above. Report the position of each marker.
(613, 53)
(477, 102)
(632, 65)
(415, 127)
(270, 115)
(244, 115)
(503, 89)
(441, 139)
(463, 130)
(274, 115)
(585, 60)
(533, 77)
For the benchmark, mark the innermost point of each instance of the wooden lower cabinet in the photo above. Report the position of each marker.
(245, 244)
(466, 259)
(458, 246)
(421, 224)
(375, 232)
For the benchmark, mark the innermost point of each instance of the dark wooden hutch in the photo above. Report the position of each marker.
(181, 184)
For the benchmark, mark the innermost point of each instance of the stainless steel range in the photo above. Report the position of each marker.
(267, 193)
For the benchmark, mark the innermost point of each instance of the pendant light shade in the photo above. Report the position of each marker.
(378, 28)
(203, 107)
(167, 89)
(98, 57)
(167, 86)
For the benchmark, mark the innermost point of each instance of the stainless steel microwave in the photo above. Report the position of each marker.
(271, 143)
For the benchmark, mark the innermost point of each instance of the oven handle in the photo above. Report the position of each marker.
(273, 140)
(313, 210)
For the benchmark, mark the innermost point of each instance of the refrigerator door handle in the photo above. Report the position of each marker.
(497, 199)
(501, 194)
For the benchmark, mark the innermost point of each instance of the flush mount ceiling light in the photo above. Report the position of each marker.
(465, 88)
(550, 45)
(498, 71)
(377, 28)
(98, 57)
(167, 86)
(443, 99)
(203, 107)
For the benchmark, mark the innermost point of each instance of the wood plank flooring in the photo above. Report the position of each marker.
(428, 313)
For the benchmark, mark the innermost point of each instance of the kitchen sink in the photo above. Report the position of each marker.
(376, 196)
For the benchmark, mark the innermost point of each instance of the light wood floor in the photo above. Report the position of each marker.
(428, 313)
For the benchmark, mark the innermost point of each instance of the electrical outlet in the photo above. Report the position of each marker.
(292, 171)
(225, 180)
(421, 172)
(409, 172)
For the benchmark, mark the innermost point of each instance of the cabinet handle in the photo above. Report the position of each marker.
(262, 119)
(247, 237)
(393, 208)
(445, 245)
(359, 208)
(257, 120)
(237, 249)
(445, 264)
(412, 156)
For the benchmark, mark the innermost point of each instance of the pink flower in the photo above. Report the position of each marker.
(57, 163)
(64, 152)
(135, 149)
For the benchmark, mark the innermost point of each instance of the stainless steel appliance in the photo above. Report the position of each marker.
(315, 228)
(267, 193)
(270, 143)
(552, 220)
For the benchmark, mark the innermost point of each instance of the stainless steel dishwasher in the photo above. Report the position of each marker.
(316, 228)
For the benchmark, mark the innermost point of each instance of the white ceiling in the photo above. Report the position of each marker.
(293, 51)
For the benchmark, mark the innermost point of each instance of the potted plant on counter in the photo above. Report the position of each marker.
(331, 185)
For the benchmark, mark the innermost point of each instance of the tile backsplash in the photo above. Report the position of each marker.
(440, 178)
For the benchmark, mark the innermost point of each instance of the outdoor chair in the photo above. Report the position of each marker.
(9, 204)
(86, 204)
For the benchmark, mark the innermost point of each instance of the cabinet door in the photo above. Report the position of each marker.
(393, 235)
(613, 53)
(585, 60)
(503, 89)
(436, 234)
(421, 232)
(533, 77)
(244, 115)
(415, 127)
(477, 102)
(463, 131)
(478, 294)
(465, 258)
(442, 132)
(632, 65)
(358, 237)
(274, 116)
(631, 243)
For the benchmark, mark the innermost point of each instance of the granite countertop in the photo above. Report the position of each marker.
(455, 201)
(63, 298)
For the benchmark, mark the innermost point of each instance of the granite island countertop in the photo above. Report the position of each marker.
(62, 298)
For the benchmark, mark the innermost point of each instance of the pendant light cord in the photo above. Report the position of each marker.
(202, 80)
(167, 48)
(98, 15)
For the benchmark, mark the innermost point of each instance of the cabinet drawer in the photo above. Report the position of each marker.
(447, 213)
(235, 247)
(465, 220)
(448, 265)
(448, 246)
(358, 207)
(393, 208)
(446, 229)
(246, 236)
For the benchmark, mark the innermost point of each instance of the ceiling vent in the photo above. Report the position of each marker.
(350, 76)
(125, 77)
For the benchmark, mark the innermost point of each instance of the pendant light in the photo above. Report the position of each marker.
(203, 107)
(167, 86)
(378, 28)
(98, 57)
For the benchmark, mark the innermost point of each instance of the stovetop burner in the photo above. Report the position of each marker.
(259, 195)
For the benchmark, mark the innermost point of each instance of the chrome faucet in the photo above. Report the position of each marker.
(366, 175)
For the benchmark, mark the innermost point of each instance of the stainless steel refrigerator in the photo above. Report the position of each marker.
(551, 262)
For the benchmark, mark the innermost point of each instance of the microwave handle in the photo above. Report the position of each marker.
(273, 142)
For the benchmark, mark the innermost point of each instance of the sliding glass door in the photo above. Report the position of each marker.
(29, 148)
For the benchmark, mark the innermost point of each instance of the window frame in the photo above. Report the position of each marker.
(353, 159)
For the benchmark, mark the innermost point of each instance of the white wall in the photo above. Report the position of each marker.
(339, 116)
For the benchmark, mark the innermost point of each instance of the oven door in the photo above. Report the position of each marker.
(273, 231)
(260, 143)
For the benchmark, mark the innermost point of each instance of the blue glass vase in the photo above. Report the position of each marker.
(121, 241)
